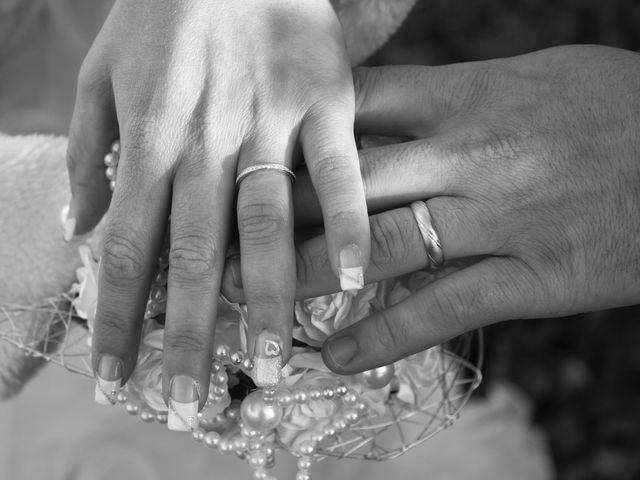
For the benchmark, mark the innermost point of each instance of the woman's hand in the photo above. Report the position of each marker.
(197, 92)
(530, 163)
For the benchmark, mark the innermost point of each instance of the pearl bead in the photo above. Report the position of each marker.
(111, 173)
(341, 389)
(147, 416)
(284, 398)
(361, 407)
(258, 415)
(307, 448)
(198, 434)
(317, 437)
(222, 351)
(328, 393)
(257, 459)
(162, 417)
(259, 475)
(132, 408)
(216, 366)
(315, 394)
(329, 431)
(247, 364)
(115, 146)
(112, 185)
(225, 446)
(233, 413)
(110, 160)
(351, 416)
(219, 378)
(300, 396)
(378, 377)
(304, 463)
(211, 439)
(302, 476)
(237, 358)
(240, 443)
(158, 293)
(339, 425)
(249, 432)
(160, 278)
(350, 398)
(218, 391)
(122, 397)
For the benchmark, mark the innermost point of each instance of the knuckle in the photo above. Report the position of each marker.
(112, 327)
(262, 222)
(122, 258)
(193, 256)
(187, 339)
(391, 335)
(389, 242)
(332, 168)
(452, 306)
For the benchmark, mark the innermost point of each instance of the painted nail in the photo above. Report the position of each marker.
(350, 269)
(341, 350)
(68, 224)
(267, 362)
(108, 380)
(183, 404)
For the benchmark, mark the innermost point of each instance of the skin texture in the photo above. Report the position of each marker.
(196, 92)
(531, 171)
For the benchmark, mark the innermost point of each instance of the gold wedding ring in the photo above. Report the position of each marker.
(265, 166)
(428, 232)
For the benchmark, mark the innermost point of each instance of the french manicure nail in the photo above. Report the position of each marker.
(108, 380)
(350, 268)
(267, 369)
(68, 224)
(341, 350)
(184, 397)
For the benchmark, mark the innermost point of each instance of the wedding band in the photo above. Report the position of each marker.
(429, 235)
(265, 166)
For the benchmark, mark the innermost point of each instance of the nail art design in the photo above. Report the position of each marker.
(267, 369)
(184, 398)
(108, 380)
(350, 271)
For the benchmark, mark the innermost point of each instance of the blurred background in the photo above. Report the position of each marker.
(582, 372)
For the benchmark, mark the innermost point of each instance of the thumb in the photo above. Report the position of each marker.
(486, 292)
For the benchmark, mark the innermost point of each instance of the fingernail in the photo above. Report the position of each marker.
(68, 223)
(108, 380)
(341, 350)
(233, 264)
(184, 397)
(350, 268)
(267, 362)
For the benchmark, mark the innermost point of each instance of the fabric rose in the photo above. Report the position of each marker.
(420, 378)
(318, 318)
(314, 415)
(87, 300)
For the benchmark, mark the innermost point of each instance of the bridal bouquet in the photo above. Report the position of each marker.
(313, 412)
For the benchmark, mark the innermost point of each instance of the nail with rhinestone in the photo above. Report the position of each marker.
(183, 404)
(267, 362)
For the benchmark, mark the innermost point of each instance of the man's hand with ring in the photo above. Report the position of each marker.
(530, 169)
(197, 92)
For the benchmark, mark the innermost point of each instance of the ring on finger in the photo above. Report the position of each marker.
(265, 166)
(428, 232)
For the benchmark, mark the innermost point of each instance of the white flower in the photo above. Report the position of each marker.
(86, 301)
(320, 317)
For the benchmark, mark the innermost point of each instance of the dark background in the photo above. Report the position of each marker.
(583, 372)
